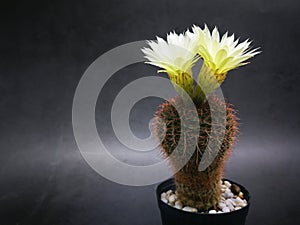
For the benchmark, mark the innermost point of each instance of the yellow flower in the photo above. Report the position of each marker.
(176, 56)
(221, 54)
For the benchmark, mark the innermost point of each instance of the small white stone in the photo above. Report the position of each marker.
(229, 202)
(227, 183)
(221, 205)
(163, 195)
(189, 209)
(239, 201)
(242, 205)
(237, 208)
(231, 207)
(169, 192)
(212, 211)
(232, 200)
(164, 200)
(226, 209)
(241, 194)
(230, 195)
(227, 190)
(178, 202)
(194, 210)
(223, 186)
(245, 201)
(178, 205)
(227, 195)
(172, 198)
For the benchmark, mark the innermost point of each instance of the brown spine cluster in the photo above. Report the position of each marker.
(199, 189)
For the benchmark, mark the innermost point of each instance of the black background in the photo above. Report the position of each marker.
(47, 45)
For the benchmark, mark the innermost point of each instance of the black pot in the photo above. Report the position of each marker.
(173, 216)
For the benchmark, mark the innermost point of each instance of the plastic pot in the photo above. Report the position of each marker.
(173, 216)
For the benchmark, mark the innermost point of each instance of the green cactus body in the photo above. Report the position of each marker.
(199, 189)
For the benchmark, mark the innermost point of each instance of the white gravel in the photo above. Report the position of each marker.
(229, 202)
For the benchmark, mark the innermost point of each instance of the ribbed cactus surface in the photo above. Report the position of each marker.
(199, 189)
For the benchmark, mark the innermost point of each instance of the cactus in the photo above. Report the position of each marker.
(200, 189)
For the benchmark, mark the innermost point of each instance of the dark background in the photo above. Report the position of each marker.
(47, 45)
